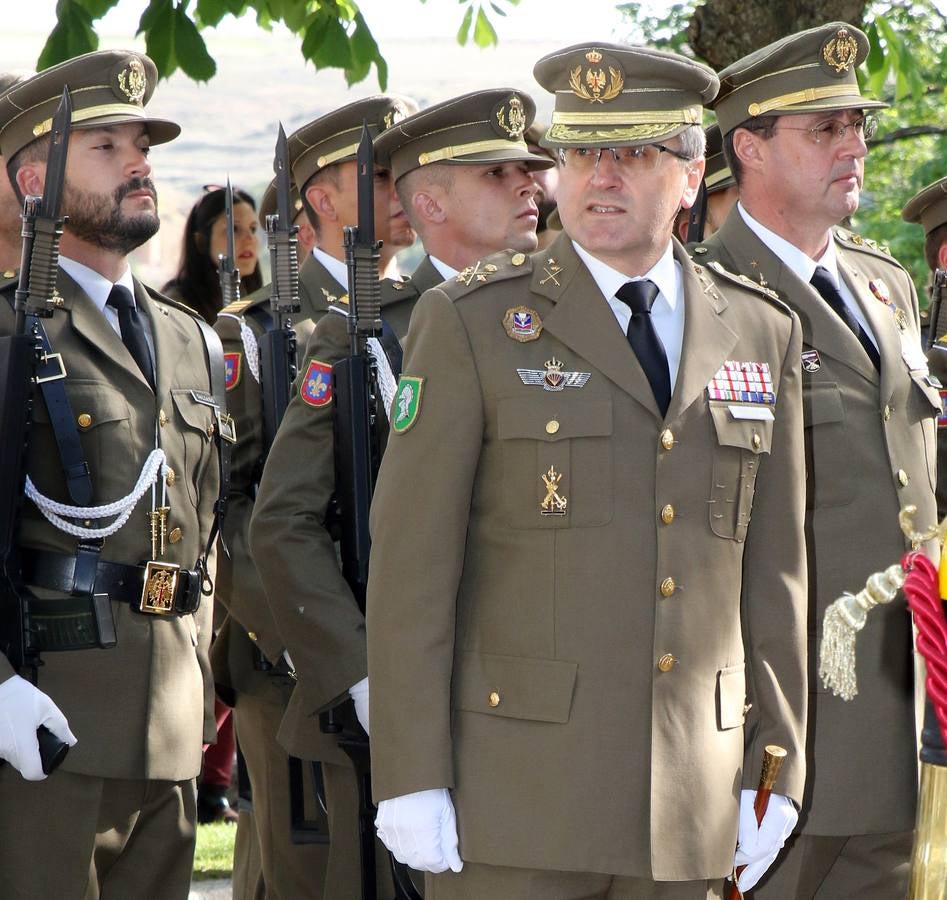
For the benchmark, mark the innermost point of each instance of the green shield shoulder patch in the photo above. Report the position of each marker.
(407, 403)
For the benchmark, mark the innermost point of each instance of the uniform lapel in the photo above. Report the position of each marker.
(707, 340)
(821, 327)
(879, 317)
(426, 276)
(91, 324)
(317, 288)
(583, 320)
(170, 338)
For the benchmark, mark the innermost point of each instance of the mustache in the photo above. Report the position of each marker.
(135, 184)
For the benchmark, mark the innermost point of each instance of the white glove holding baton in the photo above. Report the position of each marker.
(420, 830)
(23, 708)
(759, 845)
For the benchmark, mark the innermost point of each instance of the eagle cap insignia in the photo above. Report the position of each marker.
(591, 83)
(511, 117)
(839, 53)
(132, 80)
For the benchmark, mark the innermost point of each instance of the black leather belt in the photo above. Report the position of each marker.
(171, 591)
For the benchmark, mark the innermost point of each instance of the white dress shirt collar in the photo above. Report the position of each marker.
(445, 270)
(335, 267)
(665, 273)
(97, 287)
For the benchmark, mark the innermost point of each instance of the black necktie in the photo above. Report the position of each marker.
(823, 283)
(644, 340)
(133, 330)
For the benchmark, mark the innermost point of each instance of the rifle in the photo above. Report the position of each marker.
(357, 457)
(278, 345)
(938, 326)
(227, 271)
(22, 365)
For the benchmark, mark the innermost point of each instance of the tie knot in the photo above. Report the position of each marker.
(639, 295)
(121, 297)
(822, 280)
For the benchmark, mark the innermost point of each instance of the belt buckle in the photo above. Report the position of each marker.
(161, 584)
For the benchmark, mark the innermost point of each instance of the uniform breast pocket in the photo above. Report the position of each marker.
(101, 415)
(557, 461)
(928, 404)
(829, 480)
(195, 424)
(741, 445)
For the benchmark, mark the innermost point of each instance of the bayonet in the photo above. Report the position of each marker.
(227, 270)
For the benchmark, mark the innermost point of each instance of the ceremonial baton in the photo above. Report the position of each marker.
(773, 757)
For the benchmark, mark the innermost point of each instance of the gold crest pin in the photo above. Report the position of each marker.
(553, 378)
(554, 503)
(522, 324)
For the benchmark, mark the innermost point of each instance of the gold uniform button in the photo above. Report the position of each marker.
(9, 273)
(552, 426)
(494, 699)
(518, 259)
(175, 535)
(666, 662)
(251, 635)
(84, 420)
(668, 587)
(667, 439)
(171, 477)
(903, 477)
(886, 413)
(210, 430)
(162, 418)
(756, 441)
(667, 514)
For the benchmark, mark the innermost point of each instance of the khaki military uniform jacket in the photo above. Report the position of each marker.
(580, 680)
(313, 608)
(141, 709)
(238, 583)
(870, 447)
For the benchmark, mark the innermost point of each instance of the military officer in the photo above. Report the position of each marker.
(721, 189)
(322, 161)
(795, 126)
(466, 186)
(587, 552)
(9, 207)
(134, 385)
(928, 208)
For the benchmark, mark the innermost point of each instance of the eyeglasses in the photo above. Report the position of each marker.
(834, 132)
(630, 159)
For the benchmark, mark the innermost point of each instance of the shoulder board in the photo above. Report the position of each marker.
(236, 308)
(500, 266)
(742, 281)
(865, 245)
(158, 297)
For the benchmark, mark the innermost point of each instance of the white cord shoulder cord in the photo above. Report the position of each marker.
(251, 349)
(59, 513)
(386, 378)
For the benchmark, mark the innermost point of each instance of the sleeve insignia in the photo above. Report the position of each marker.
(407, 403)
(232, 370)
(316, 387)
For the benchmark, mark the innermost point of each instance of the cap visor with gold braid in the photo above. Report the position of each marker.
(479, 128)
(333, 138)
(107, 87)
(610, 95)
(811, 71)
(928, 207)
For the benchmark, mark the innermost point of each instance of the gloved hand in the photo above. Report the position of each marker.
(359, 694)
(420, 829)
(758, 845)
(23, 708)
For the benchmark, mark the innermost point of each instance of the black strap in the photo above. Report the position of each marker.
(223, 438)
(392, 347)
(51, 377)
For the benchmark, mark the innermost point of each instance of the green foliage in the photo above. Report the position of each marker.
(666, 32)
(333, 33)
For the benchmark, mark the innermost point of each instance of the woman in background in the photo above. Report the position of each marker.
(205, 238)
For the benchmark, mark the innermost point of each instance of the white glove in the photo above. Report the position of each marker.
(758, 845)
(359, 694)
(420, 830)
(23, 708)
